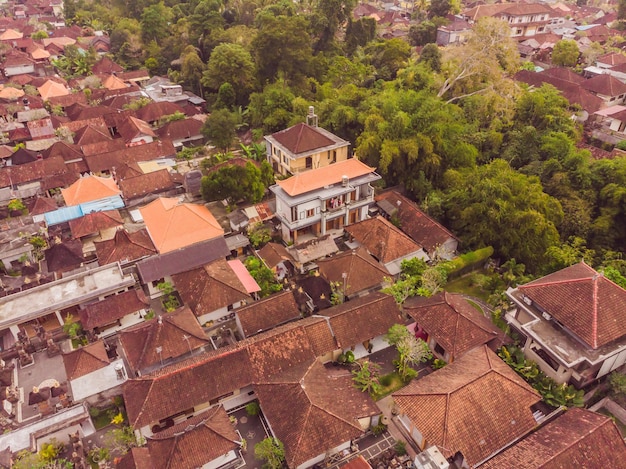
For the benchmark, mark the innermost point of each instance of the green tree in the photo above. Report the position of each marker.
(281, 47)
(388, 56)
(272, 108)
(439, 8)
(359, 33)
(272, 451)
(365, 377)
(516, 217)
(431, 55)
(154, 22)
(565, 53)
(326, 18)
(192, 69)
(231, 63)
(263, 275)
(220, 128)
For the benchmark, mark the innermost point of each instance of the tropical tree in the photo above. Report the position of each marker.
(365, 377)
(272, 451)
(565, 53)
(231, 63)
(220, 128)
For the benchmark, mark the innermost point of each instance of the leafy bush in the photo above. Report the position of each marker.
(385, 380)
(400, 448)
(379, 429)
(94, 412)
(617, 381)
(438, 363)
(253, 408)
(466, 260)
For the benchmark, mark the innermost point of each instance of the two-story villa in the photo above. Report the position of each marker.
(524, 19)
(324, 199)
(303, 147)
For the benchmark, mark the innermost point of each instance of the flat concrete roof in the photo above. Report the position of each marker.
(63, 293)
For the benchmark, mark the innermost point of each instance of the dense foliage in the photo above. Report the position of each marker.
(496, 162)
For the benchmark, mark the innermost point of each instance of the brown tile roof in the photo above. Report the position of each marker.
(181, 129)
(132, 128)
(154, 111)
(588, 304)
(106, 65)
(314, 179)
(302, 138)
(183, 385)
(173, 225)
(88, 189)
(420, 227)
(68, 99)
(313, 408)
(273, 254)
(94, 222)
(362, 318)
(85, 360)
(267, 313)
(64, 256)
(125, 246)
(136, 458)
(65, 150)
(43, 205)
(383, 240)
(167, 331)
(362, 271)
(612, 58)
(319, 334)
(91, 134)
(112, 308)
(210, 287)
(578, 438)
(194, 442)
(144, 184)
(453, 322)
(118, 157)
(604, 84)
(451, 409)
(76, 125)
(103, 147)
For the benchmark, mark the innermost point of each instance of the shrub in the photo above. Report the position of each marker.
(467, 259)
(438, 363)
(379, 429)
(385, 380)
(400, 448)
(94, 412)
(617, 381)
(253, 408)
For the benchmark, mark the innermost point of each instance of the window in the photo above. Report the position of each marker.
(310, 213)
(439, 350)
(334, 160)
(308, 163)
(518, 31)
(541, 28)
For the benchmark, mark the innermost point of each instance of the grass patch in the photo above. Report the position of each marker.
(101, 421)
(395, 383)
(464, 285)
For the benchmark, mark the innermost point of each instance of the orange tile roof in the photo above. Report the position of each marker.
(317, 178)
(88, 189)
(173, 225)
(52, 89)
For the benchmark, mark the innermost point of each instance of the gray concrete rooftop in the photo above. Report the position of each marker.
(63, 293)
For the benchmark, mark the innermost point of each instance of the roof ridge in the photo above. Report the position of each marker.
(594, 313)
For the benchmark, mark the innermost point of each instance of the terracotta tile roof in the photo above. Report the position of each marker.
(313, 409)
(604, 84)
(91, 134)
(144, 184)
(362, 318)
(136, 458)
(181, 129)
(319, 334)
(111, 82)
(612, 58)
(210, 288)
(124, 247)
(41, 128)
(420, 227)
(317, 178)
(64, 256)
(173, 225)
(52, 88)
(588, 304)
(154, 111)
(140, 341)
(134, 75)
(186, 384)
(362, 271)
(94, 222)
(383, 240)
(68, 99)
(88, 189)
(112, 308)
(133, 128)
(85, 360)
(302, 138)
(103, 147)
(195, 442)
(43, 205)
(453, 322)
(98, 161)
(269, 312)
(451, 410)
(578, 438)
